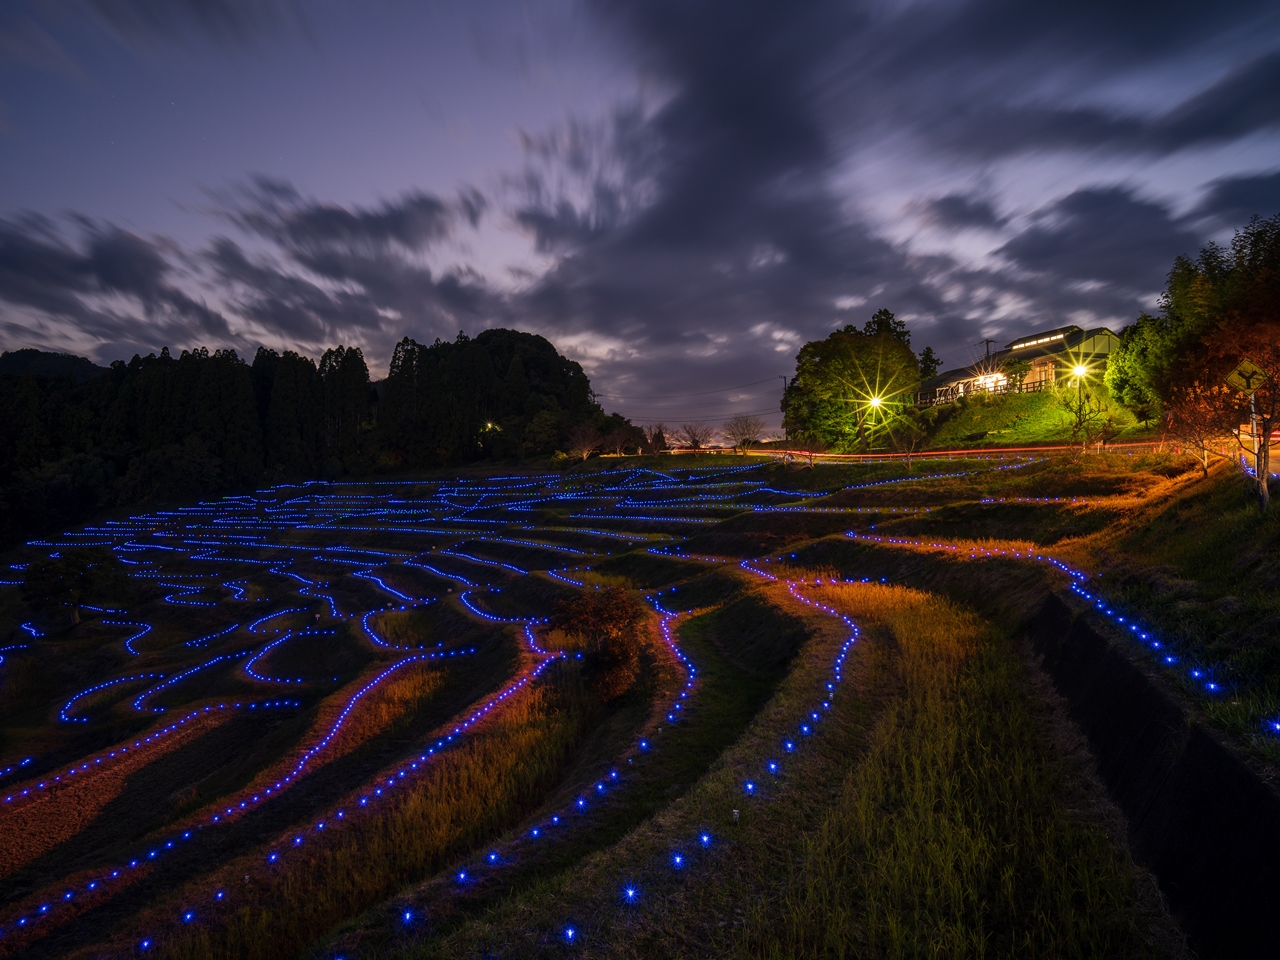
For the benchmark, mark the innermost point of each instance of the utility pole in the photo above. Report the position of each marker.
(784, 394)
(987, 343)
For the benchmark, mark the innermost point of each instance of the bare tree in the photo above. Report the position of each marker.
(618, 440)
(655, 435)
(809, 450)
(743, 431)
(584, 440)
(1200, 417)
(908, 433)
(1089, 417)
(695, 435)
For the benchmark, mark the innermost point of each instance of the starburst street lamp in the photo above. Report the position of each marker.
(874, 401)
(1080, 371)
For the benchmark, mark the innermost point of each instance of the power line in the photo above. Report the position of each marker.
(721, 403)
(663, 396)
(671, 421)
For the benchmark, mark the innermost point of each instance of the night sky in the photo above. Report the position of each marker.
(678, 194)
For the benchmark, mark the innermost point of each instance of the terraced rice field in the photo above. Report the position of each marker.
(333, 720)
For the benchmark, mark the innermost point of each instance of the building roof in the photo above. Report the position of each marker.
(1031, 347)
(1044, 336)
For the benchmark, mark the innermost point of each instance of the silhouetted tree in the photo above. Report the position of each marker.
(655, 435)
(695, 435)
(884, 323)
(929, 363)
(295, 416)
(345, 380)
(743, 431)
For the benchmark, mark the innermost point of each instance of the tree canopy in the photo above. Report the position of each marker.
(504, 393)
(1217, 310)
(850, 387)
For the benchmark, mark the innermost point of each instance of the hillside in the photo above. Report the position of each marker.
(988, 420)
(42, 363)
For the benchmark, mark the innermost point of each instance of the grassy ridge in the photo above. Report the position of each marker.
(467, 794)
(727, 698)
(928, 818)
(1022, 418)
(1203, 568)
(948, 839)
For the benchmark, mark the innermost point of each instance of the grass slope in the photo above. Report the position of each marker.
(930, 817)
(1018, 418)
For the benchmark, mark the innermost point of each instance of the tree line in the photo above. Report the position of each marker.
(165, 428)
(1217, 311)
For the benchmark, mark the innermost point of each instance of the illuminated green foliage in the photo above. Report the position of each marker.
(851, 388)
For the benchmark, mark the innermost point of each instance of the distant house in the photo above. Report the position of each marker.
(1052, 354)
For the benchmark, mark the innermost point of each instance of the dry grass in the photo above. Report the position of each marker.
(33, 828)
(947, 840)
(466, 795)
(922, 821)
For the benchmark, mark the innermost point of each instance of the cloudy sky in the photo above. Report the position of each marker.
(677, 193)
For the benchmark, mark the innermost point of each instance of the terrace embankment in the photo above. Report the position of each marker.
(1204, 819)
(924, 814)
(734, 682)
(1204, 822)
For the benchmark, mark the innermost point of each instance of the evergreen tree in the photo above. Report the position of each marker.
(884, 322)
(929, 363)
(294, 417)
(265, 364)
(345, 378)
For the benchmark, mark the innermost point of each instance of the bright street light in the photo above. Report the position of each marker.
(1079, 371)
(875, 401)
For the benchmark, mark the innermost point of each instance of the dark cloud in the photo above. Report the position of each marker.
(1097, 32)
(990, 78)
(957, 211)
(25, 41)
(703, 235)
(709, 234)
(227, 22)
(28, 27)
(274, 209)
(340, 272)
(1243, 102)
(979, 124)
(584, 180)
(1233, 200)
(1102, 234)
(41, 270)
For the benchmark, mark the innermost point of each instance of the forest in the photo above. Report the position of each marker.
(158, 429)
